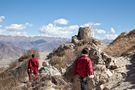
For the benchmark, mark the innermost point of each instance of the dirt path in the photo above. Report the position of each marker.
(128, 82)
(131, 73)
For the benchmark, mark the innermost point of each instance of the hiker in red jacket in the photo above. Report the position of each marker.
(33, 66)
(84, 69)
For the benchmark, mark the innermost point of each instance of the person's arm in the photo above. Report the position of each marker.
(90, 69)
(29, 66)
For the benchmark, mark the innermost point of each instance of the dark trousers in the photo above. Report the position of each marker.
(84, 83)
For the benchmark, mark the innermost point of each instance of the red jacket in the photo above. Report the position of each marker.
(33, 66)
(83, 66)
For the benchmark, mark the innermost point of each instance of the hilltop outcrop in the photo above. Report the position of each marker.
(107, 68)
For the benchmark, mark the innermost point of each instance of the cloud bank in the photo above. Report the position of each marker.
(62, 28)
(58, 28)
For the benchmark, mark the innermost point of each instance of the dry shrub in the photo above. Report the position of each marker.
(11, 77)
(69, 56)
(63, 61)
(7, 81)
(58, 62)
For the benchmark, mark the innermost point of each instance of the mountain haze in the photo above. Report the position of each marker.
(12, 47)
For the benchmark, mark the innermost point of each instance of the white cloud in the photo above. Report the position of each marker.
(18, 34)
(18, 26)
(59, 30)
(86, 25)
(105, 34)
(28, 24)
(90, 24)
(111, 36)
(112, 30)
(52, 30)
(2, 18)
(61, 21)
(100, 31)
(12, 29)
(2, 31)
(97, 24)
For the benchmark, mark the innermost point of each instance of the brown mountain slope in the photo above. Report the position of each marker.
(9, 53)
(124, 44)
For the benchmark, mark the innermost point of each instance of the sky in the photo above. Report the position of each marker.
(62, 18)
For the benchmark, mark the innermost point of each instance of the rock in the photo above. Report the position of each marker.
(112, 67)
(63, 70)
(94, 55)
(68, 46)
(107, 62)
(91, 84)
(48, 85)
(58, 80)
(100, 68)
(105, 88)
(54, 71)
(84, 33)
(75, 40)
(104, 56)
(101, 87)
(109, 73)
(96, 42)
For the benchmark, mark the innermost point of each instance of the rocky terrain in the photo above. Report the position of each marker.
(113, 65)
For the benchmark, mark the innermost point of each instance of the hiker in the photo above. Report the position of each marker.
(32, 67)
(83, 69)
(44, 70)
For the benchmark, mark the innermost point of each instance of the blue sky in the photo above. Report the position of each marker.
(62, 18)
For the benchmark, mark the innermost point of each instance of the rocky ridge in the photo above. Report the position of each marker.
(112, 71)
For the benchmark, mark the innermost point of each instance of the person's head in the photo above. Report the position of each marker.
(85, 51)
(45, 64)
(33, 55)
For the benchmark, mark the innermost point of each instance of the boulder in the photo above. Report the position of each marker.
(75, 40)
(69, 46)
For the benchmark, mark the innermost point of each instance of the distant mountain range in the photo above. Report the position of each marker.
(12, 47)
(37, 42)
